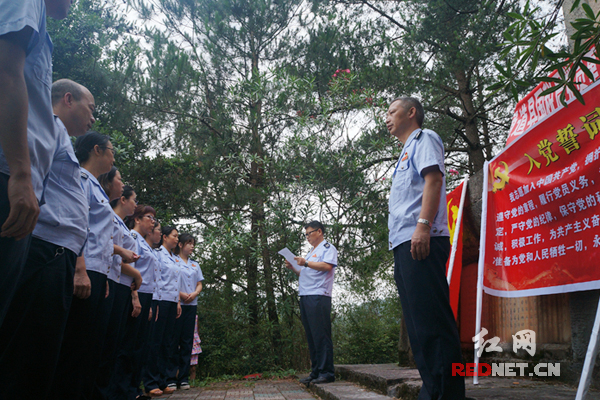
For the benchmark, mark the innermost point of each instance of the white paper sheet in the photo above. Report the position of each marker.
(289, 256)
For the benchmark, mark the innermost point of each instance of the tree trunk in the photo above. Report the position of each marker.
(258, 186)
(252, 276)
(476, 156)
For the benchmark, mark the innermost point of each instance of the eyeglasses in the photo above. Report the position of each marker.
(307, 234)
(150, 217)
(112, 149)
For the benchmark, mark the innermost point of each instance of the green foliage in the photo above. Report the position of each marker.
(239, 121)
(367, 333)
(527, 44)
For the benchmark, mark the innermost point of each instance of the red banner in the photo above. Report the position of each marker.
(453, 204)
(534, 108)
(543, 205)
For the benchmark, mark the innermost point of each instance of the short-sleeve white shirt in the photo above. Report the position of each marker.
(423, 149)
(191, 274)
(313, 282)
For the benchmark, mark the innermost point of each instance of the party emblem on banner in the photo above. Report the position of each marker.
(542, 211)
(500, 176)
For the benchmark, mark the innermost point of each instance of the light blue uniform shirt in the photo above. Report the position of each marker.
(313, 282)
(423, 149)
(147, 264)
(63, 219)
(168, 283)
(121, 237)
(191, 274)
(99, 248)
(41, 133)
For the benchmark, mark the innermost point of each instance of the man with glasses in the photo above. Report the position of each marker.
(43, 299)
(315, 286)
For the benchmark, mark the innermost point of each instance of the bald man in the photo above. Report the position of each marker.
(35, 322)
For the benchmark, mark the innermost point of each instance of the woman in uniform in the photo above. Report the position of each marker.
(87, 322)
(133, 350)
(124, 280)
(169, 309)
(183, 338)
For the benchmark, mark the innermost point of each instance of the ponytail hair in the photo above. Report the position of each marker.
(184, 239)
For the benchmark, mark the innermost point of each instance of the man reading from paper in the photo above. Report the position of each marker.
(315, 285)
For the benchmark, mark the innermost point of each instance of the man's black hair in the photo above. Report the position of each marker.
(315, 225)
(410, 102)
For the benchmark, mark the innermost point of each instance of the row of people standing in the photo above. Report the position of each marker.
(82, 305)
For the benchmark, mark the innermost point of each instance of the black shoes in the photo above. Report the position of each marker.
(307, 380)
(322, 379)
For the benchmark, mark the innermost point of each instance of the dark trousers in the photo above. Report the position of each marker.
(120, 295)
(132, 353)
(315, 312)
(430, 323)
(13, 254)
(33, 328)
(160, 344)
(180, 354)
(82, 344)
(148, 347)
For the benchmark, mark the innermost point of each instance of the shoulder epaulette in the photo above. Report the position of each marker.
(134, 235)
(327, 245)
(84, 175)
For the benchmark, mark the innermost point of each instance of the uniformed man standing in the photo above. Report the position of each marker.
(42, 301)
(419, 237)
(315, 287)
(27, 133)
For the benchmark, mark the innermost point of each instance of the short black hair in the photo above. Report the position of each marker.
(408, 103)
(86, 143)
(127, 193)
(166, 230)
(315, 225)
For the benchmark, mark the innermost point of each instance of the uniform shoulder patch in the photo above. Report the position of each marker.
(134, 235)
(84, 175)
(327, 245)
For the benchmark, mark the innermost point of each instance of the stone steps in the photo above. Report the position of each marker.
(386, 381)
(344, 390)
(370, 382)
